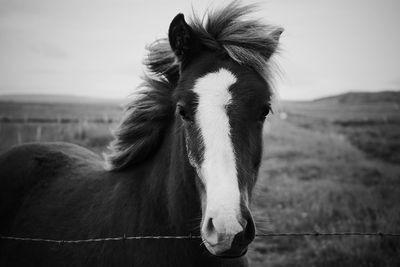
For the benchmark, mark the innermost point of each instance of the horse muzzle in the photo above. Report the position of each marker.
(228, 242)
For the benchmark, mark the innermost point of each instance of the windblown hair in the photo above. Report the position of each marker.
(147, 116)
(143, 125)
(247, 41)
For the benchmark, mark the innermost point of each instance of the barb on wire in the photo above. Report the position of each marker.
(124, 237)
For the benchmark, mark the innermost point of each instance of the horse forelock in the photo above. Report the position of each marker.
(247, 41)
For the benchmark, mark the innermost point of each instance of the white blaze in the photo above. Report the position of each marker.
(218, 169)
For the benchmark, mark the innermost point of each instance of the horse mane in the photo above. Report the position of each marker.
(142, 126)
(147, 116)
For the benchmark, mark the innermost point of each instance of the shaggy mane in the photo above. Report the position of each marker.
(247, 41)
(143, 125)
(142, 128)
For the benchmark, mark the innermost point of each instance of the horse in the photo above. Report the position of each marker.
(183, 160)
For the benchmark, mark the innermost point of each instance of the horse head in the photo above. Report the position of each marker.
(222, 98)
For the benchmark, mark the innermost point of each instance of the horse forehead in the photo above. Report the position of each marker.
(237, 84)
(213, 89)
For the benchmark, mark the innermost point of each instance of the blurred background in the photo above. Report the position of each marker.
(332, 148)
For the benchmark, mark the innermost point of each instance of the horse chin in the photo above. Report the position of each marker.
(229, 254)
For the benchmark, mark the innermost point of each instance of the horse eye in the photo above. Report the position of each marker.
(264, 112)
(182, 112)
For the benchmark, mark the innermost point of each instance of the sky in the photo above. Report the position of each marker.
(95, 47)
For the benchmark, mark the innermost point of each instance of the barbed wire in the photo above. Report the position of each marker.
(382, 234)
(121, 238)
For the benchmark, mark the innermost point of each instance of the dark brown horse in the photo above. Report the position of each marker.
(184, 160)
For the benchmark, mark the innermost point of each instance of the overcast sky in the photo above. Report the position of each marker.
(95, 47)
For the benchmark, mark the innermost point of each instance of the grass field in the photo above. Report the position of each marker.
(88, 125)
(328, 166)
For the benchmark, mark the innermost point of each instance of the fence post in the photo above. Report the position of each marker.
(39, 133)
(19, 137)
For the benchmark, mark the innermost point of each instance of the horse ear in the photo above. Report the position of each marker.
(276, 34)
(183, 41)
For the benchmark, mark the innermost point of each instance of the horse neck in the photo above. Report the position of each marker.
(173, 181)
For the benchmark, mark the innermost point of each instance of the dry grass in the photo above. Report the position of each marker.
(314, 179)
(87, 125)
(95, 136)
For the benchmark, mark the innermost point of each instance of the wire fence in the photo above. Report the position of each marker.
(122, 238)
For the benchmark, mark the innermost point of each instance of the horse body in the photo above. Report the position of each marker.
(69, 196)
(184, 161)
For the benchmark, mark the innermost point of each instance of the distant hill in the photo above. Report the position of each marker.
(363, 97)
(55, 99)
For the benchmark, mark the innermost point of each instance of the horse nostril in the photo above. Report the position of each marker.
(210, 232)
(243, 223)
(210, 226)
(249, 230)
